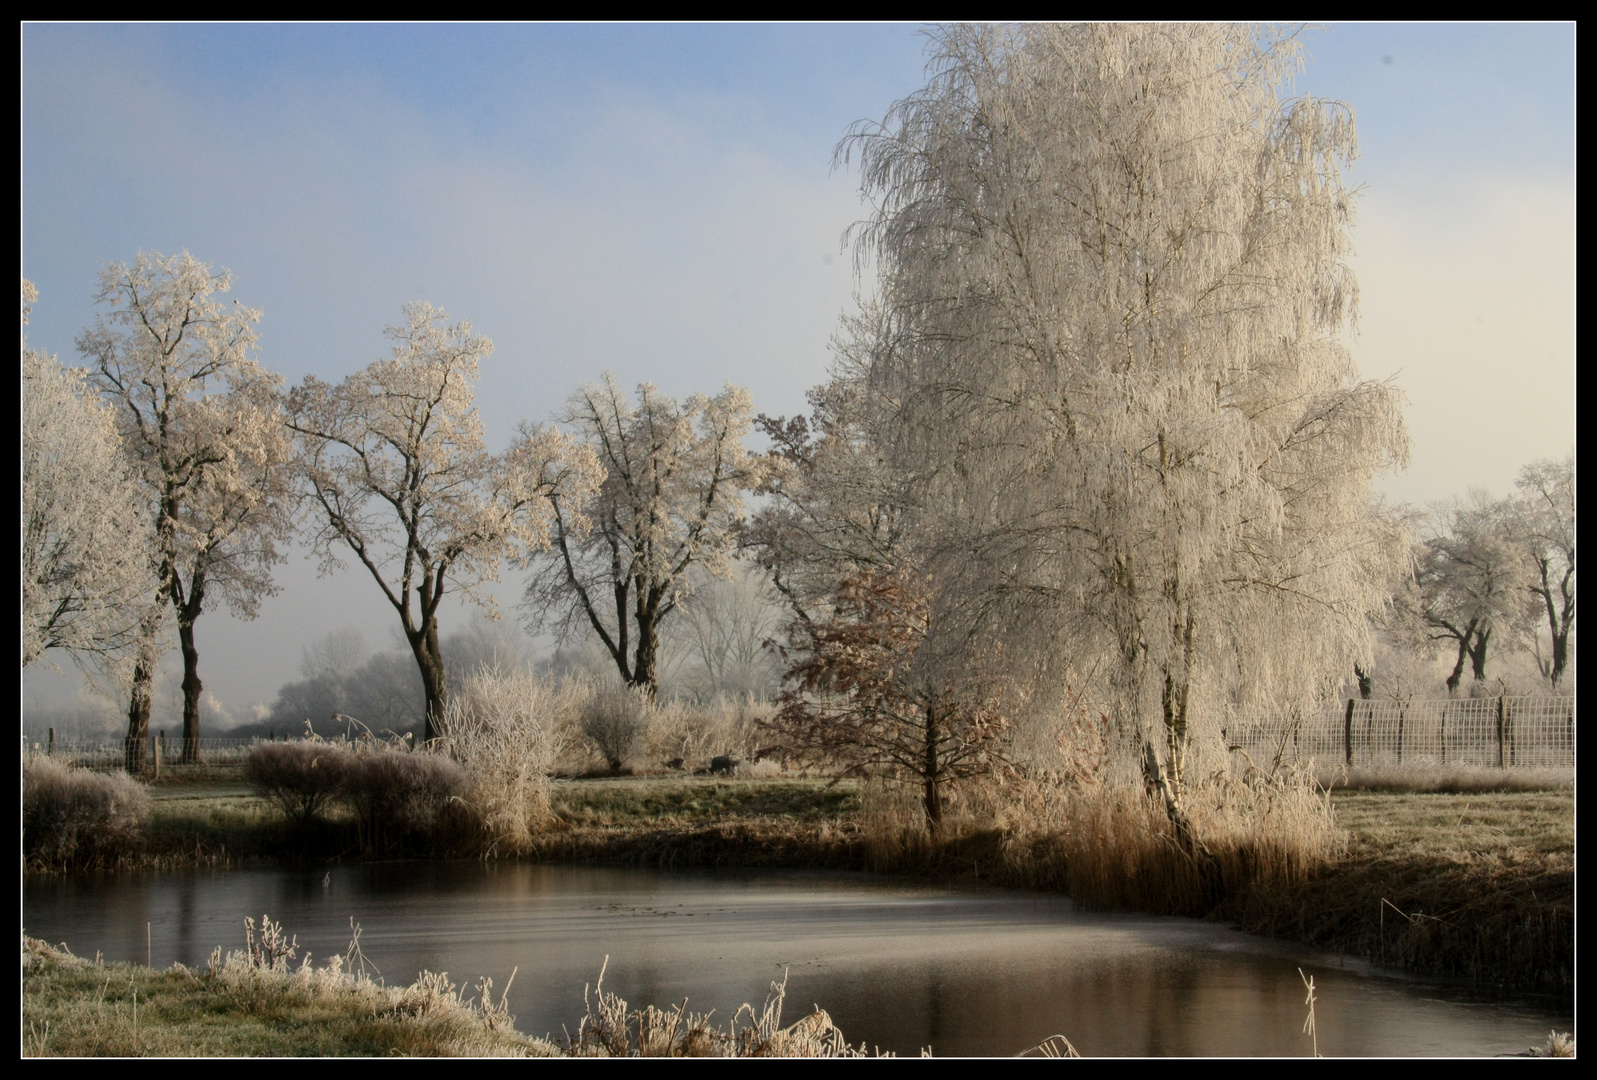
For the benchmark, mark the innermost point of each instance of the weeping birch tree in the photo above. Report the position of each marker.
(1113, 264)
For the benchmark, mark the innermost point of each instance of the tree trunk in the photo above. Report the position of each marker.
(1366, 684)
(645, 666)
(138, 716)
(188, 613)
(1458, 666)
(1477, 654)
(191, 692)
(646, 660)
(1187, 836)
(142, 690)
(1561, 629)
(1560, 655)
(929, 774)
(430, 662)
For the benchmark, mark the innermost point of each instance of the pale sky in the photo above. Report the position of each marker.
(658, 201)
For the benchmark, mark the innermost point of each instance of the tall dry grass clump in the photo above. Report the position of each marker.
(1447, 779)
(76, 818)
(1120, 850)
(503, 727)
(610, 1029)
(694, 733)
(404, 801)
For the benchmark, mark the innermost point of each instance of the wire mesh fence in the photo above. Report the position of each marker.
(141, 755)
(1499, 732)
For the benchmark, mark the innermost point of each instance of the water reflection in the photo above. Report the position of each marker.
(898, 965)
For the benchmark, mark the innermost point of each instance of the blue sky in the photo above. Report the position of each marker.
(658, 201)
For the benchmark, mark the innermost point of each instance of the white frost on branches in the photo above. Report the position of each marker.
(1113, 261)
(85, 553)
(396, 467)
(201, 421)
(672, 497)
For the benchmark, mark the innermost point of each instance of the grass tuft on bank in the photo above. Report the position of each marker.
(256, 1002)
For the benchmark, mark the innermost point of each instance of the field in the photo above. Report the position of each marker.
(1475, 886)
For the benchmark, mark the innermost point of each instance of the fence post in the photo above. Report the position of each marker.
(50, 751)
(155, 754)
(1347, 734)
(1442, 736)
(1502, 745)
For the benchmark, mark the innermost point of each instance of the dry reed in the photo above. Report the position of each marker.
(503, 727)
(609, 1029)
(1110, 844)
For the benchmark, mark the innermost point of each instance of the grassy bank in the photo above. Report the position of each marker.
(1474, 886)
(257, 1003)
(1477, 886)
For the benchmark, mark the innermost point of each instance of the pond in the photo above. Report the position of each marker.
(898, 964)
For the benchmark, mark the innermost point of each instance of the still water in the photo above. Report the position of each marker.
(899, 965)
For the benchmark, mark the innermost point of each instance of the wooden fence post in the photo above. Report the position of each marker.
(1502, 743)
(1347, 734)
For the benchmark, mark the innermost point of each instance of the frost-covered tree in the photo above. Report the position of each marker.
(1112, 261)
(396, 469)
(85, 551)
(834, 507)
(674, 480)
(201, 422)
(1544, 516)
(1472, 581)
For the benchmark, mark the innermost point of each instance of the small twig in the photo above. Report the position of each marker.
(1308, 1025)
(1054, 1046)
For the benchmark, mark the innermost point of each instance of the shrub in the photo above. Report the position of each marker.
(502, 728)
(301, 778)
(616, 719)
(73, 817)
(401, 796)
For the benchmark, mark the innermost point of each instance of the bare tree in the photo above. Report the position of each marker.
(200, 421)
(1113, 264)
(723, 630)
(1545, 531)
(85, 548)
(673, 490)
(395, 466)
